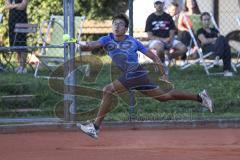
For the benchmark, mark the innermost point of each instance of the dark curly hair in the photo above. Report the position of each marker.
(123, 17)
(205, 14)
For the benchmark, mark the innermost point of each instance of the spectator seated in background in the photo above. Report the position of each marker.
(161, 30)
(173, 10)
(192, 13)
(212, 41)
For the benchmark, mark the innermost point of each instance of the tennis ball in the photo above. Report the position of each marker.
(66, 37)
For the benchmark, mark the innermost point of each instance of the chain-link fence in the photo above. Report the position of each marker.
(31, 97)
(38, 31)
(29, 30)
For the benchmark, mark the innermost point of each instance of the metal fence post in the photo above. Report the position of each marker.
(72, 77)
(132, 95)
(69, 54)
(130, 8)
(66, 97)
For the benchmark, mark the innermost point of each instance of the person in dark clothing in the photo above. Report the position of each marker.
(18, 14)
(211, 40)
(161, 29)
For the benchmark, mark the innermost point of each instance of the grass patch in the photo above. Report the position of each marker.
(224, 91)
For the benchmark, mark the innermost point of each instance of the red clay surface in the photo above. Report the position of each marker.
(156, 144)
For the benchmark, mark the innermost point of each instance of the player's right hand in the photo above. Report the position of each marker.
(165, 78)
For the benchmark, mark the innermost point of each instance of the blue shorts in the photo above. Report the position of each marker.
(137, 80)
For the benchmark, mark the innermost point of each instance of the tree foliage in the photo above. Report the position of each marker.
(100, 9)
(40, 10)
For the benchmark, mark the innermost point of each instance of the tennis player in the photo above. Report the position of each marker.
(123, 49)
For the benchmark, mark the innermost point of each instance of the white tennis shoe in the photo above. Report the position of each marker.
(88, 129)
(206, 100)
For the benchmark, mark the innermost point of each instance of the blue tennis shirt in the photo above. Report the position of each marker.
(123, 53)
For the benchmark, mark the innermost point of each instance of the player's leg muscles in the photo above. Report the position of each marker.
(107, 99)
(160, 95)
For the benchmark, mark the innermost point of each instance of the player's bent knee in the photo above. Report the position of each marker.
(108, 89)
(184, 49)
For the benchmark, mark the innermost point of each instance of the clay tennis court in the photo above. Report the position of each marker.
(124, 144)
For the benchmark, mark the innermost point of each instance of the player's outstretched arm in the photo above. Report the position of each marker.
(89, 46)
(158, 62)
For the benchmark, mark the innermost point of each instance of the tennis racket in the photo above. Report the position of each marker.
(165, 84)
(157, 77)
